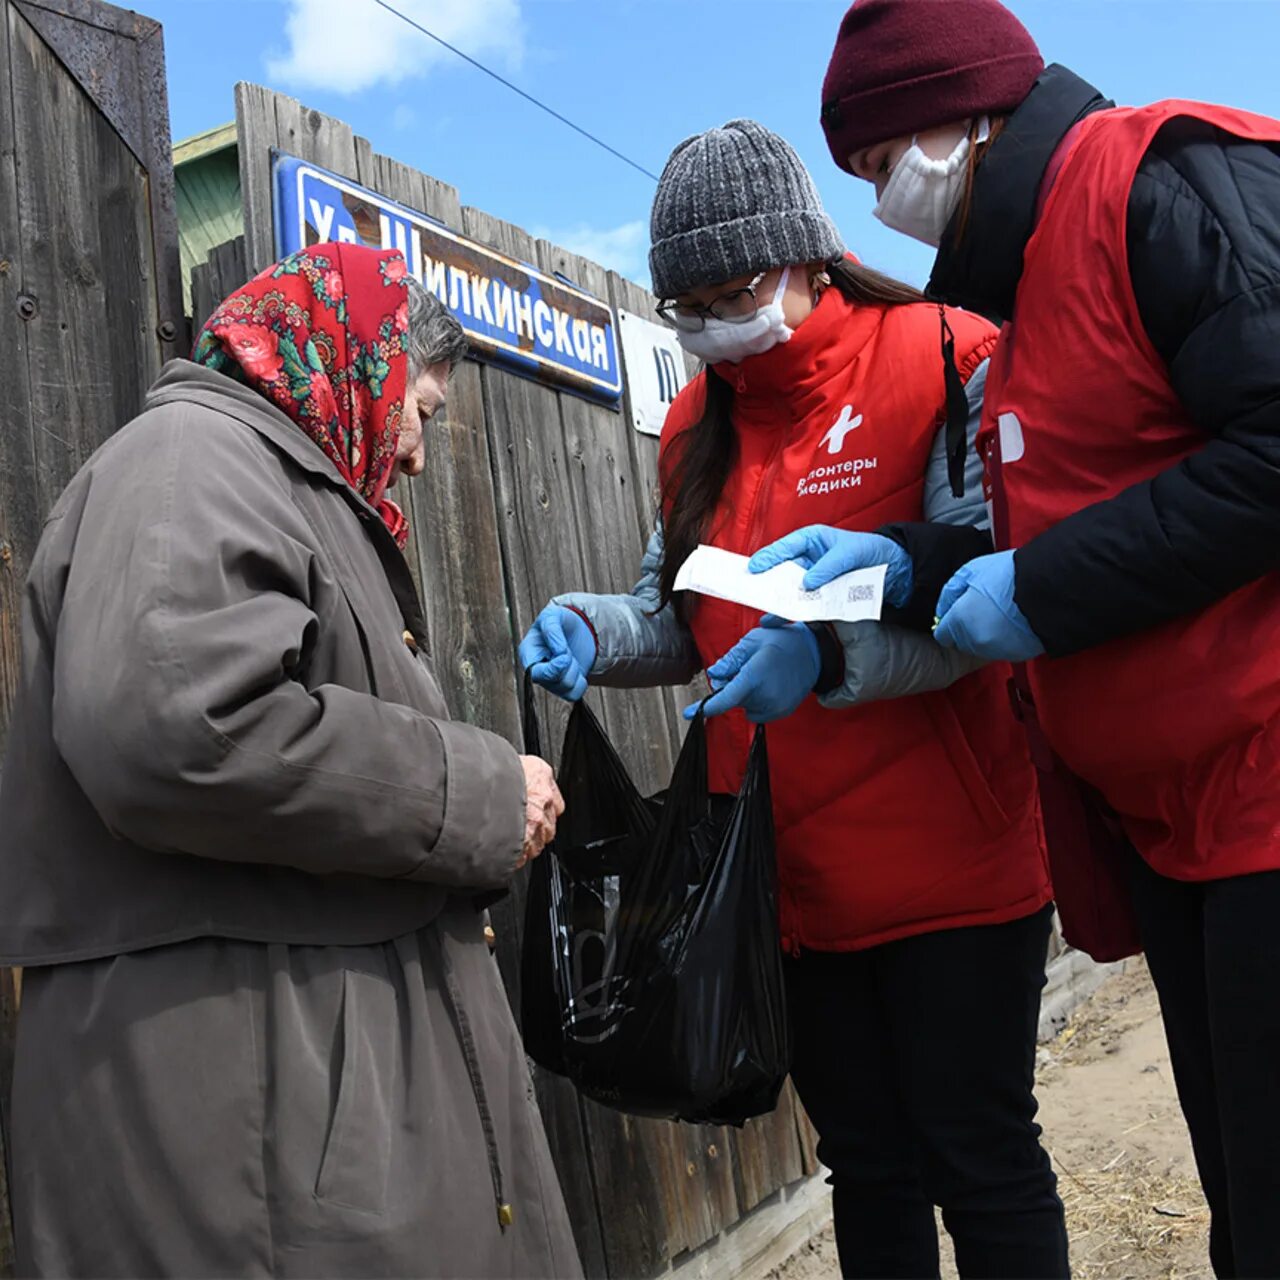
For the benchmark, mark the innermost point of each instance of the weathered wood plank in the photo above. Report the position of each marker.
(517, 415)
(257, 135)
(643, 449)
(9, 992)
(808, 1139)
(606, 517)
(21, 513)
(767, 1154)
(92, 349)
(213, 280)
(78, 334)
(19, 528)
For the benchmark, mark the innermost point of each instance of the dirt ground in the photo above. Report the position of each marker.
(1112, 1125)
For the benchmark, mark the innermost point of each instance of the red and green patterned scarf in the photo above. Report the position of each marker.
(321, 335)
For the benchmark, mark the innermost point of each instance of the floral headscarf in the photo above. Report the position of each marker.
(322, 336)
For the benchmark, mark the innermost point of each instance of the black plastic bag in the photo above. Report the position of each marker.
(651, 973)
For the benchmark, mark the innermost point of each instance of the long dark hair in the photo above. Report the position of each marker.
(702, 457)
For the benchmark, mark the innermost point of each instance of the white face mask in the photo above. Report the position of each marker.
(922, 194)
(719, 341)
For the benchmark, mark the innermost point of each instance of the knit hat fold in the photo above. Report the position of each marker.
(731, 202)
(903, 66)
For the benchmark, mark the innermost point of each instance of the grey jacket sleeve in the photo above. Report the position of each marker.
(886, 661)
(179, 704)
(637, 644)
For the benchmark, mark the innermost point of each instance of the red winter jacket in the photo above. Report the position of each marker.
(897, 817)
(1177, 725)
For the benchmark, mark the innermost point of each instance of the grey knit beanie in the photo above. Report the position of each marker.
(730, 202)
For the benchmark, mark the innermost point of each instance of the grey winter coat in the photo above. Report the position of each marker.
(640, 645)
(234, 797)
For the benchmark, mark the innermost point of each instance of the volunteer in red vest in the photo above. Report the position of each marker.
(1132, 431)
(912, 877)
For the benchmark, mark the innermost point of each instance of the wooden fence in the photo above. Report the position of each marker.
(90, 288)
(529, 491)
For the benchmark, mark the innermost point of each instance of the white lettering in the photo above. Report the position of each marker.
(415, 265)
(564, 344)
(581, 341)
(459, 294)
(541, 318)
(347, 235)
(524, 315)
(480, 298)
(322, 216)
(433, 278)
(599, 348)
(504, 313)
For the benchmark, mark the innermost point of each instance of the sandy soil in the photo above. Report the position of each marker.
(1112, 1125)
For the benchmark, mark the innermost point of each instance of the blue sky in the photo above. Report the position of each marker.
(643, 74)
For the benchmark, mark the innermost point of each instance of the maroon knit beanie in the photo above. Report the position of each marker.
(903, 66)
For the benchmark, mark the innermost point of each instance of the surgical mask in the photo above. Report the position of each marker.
(720, 341)
(922, 194)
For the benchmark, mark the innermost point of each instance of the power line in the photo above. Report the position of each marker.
(466, 57)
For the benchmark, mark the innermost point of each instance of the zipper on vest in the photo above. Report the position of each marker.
(765, 491)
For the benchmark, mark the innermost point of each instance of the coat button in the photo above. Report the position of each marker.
(410, 643)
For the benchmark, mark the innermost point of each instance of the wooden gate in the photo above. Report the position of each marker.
(90, 286)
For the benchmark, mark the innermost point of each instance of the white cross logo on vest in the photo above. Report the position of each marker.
(846, 422)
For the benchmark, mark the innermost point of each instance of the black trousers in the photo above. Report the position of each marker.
(1214, 952)
(915, 1061)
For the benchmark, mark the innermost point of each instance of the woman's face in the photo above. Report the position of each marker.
(797, 301)
(875, 163)
(423, 399)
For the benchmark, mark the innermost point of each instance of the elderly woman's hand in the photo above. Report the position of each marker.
(543, 805)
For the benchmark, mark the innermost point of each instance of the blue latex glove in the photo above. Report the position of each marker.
(827, 553)
(768, 673)
(977, 613)
(558, 651)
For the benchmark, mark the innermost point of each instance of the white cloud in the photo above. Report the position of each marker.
(404, 117)
(624, 249)
(351, 45)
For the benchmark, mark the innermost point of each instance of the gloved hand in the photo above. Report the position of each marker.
(977, 613)
(827, 552)
(558, 651)
(768, 673)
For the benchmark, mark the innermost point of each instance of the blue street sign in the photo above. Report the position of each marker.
(515, 315)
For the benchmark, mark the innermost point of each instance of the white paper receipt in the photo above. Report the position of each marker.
(853, 597)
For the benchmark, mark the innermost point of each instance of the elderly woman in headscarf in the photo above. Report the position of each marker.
(243, 843)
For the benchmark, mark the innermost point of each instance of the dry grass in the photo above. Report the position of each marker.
(1127, 1219)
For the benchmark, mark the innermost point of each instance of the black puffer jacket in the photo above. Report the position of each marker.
(1204, 259)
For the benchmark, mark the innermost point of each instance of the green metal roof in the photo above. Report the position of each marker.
(207, 177)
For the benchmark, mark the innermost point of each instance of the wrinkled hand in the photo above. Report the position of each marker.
(558, 651)
(827, 553)
(543, 805)
(977, 613)
(768, 673)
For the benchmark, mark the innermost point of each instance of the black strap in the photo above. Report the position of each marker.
(957, 437)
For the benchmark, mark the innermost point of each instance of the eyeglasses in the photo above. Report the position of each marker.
(736, 307)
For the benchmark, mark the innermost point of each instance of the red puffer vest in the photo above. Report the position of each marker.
(1178, 727)
(894, 818)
